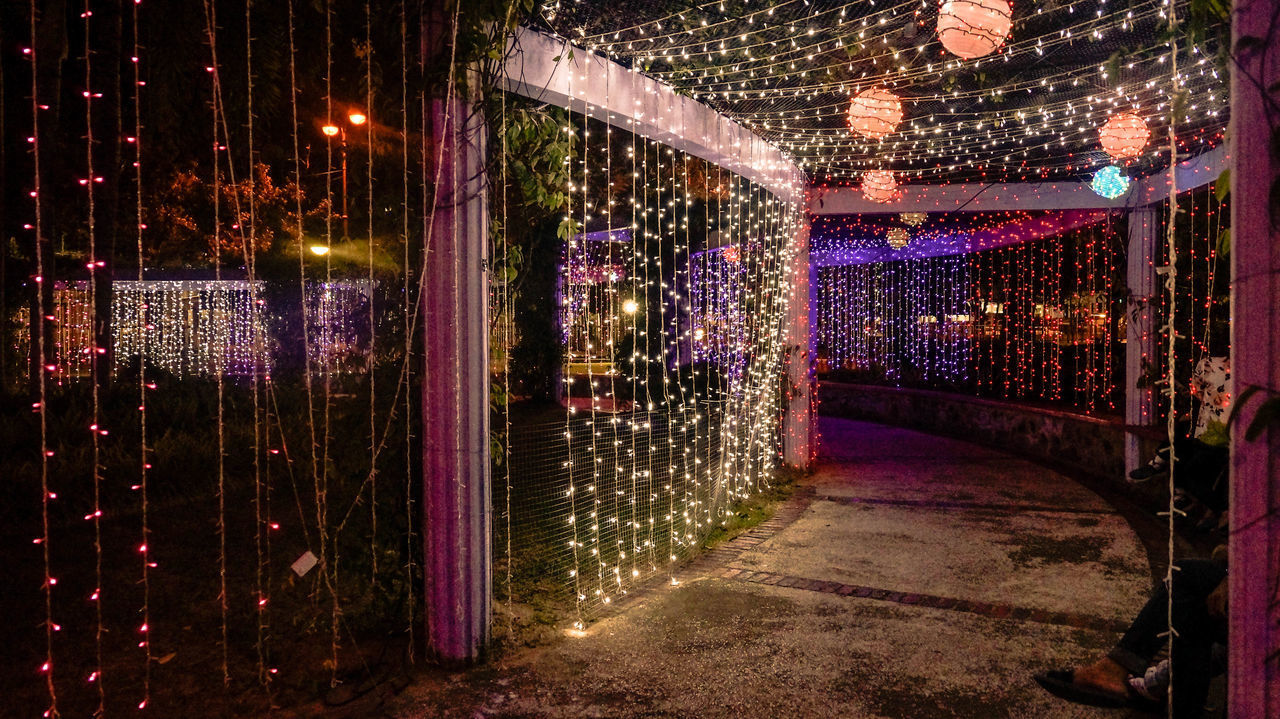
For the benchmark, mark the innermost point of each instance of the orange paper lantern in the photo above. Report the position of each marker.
(1124, 135)
(875, 113)
(973, 28)
(879, 185)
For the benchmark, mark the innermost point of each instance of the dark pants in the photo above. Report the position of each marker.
(1201, 472)
(1197, 630)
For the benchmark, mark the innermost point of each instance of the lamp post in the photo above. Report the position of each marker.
(356, 118)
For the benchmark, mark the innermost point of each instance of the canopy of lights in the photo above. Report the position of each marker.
(881, 93)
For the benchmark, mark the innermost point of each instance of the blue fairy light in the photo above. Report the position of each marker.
(1109, 182)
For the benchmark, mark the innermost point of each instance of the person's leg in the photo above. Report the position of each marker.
(1191, 650)
(1194, 580)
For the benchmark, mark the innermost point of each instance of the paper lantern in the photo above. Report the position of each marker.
(973, 28)
(1124, 135)
(913, 219)
(1109, 182)
(879, 185)
(875, 113)
(898, 238)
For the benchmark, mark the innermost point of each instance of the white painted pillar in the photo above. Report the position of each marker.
(1254, 679)
(1140, 336)
(797, 431)
(455, 379)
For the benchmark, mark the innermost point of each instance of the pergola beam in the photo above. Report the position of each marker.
(982, 197)
(554, 71)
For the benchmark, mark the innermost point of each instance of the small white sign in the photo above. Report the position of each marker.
(303, 564)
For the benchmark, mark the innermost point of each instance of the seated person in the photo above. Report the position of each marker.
(1199, 618)
(1202, 458)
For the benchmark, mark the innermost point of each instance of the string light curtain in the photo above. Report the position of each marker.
(671, 308)
(1034, 321)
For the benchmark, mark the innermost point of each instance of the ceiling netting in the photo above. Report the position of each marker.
(1028, 111)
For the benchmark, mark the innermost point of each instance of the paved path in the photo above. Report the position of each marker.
(911, 576)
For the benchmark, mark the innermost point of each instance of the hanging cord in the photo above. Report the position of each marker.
(1171, 274)
(372, 361)
(211, 36)
(507, 341)
(329, 546)
(408, 330)
(248, 246)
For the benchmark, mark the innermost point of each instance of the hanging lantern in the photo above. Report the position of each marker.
(913, 219)
(973, 28)
(732, 254)
(879, 185)
(875, 113)
(1124, 135)
(897, 238)
(1109, 182)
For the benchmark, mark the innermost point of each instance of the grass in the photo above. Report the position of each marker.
(757, 509)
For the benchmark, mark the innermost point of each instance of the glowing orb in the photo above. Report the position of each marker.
(879, 185)
(875, 113)
(1124, 135)
(1109, 182)
(630, 307)
(973, 28)
(898, 238)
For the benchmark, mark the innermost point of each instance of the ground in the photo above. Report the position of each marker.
(909, 576)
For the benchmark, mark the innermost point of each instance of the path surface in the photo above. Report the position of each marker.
(911, 576)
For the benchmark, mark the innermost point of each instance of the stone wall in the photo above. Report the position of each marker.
(1083, 443)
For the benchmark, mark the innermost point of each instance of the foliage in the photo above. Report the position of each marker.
(180, 218)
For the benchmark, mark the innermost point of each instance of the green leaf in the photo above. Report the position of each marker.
(1268, 415)
(1222, 186)
(1224, 242)
(1249, 42)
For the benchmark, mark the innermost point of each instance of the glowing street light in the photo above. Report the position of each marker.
(319, 250)
(356, 118)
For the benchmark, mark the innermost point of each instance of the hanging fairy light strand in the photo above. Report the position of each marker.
(144, 547)
(41, 407)
(95, 361)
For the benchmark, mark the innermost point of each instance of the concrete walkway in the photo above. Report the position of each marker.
(912, 576)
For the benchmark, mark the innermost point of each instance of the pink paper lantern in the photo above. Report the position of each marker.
(1124, 135)
(875, 113)
(973, 28)
(879, 185)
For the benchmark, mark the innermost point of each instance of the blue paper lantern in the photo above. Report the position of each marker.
(1110, 182)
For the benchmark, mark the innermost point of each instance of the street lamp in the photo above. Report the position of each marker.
(356, 118)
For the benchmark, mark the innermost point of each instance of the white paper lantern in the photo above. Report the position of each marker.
(875, 113)
(974, 28)
(879, 185)
(1124, 135)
